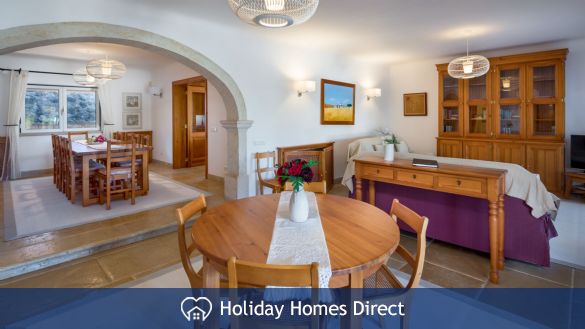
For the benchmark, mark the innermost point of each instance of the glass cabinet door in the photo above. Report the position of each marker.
(509, 101)
(544, 104)
(477, 115)
(451, 98)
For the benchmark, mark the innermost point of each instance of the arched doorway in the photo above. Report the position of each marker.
(237, 178)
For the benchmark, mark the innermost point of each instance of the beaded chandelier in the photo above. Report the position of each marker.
(274, 13)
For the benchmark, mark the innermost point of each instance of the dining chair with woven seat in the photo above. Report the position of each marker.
(115, 180)
(141, 141)
(72, 171)
(315, 187)
(269, 166)
(248, 274)
(384, 278)
(188, 211)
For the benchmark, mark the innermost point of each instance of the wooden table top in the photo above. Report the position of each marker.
(358, 235)
(444, 168)
(83, 149)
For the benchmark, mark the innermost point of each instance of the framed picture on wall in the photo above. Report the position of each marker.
(415, 104)
(132, 101)
(132, 120)
(337, 103)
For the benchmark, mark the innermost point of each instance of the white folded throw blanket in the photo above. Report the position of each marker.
(520, 183)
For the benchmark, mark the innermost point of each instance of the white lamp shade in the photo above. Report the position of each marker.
(306, 86)
(81, 77)
(274, 13)
(107, 69)
(373, 92)
(468, 67)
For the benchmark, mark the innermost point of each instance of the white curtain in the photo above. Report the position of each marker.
(105, 99)
(18, 84)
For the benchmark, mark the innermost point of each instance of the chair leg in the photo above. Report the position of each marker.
(108, 195)
(261, 189)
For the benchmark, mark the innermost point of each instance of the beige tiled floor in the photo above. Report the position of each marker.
(446, 265)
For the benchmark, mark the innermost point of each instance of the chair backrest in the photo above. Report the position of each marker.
(69, 158)
(267, 165)
(315, 187)
(78, 133)
(123, 155)
(260, 275)
(197, 206)
(419, 225)
(118, 135)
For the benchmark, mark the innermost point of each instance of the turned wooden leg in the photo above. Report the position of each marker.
(358, 189)
(501, 223)
(493, 228)
(372, 190)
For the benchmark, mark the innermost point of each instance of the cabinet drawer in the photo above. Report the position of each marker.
(371, 171)
(462, 184)
(414, 178)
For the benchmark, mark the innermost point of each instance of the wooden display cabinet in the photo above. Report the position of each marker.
(515, 113)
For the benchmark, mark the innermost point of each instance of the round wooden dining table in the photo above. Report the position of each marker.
(360, 237)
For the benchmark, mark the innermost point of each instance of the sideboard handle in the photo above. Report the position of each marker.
(378, 171)
(414, 176)
(458, 182)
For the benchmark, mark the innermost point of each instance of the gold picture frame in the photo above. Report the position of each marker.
(337, 103)
(415, 104)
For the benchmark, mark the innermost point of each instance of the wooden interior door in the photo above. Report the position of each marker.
(197, 125)
(180, 158)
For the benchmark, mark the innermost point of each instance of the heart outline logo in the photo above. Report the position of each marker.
(197, 312)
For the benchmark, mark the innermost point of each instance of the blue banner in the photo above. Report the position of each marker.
(325, 308)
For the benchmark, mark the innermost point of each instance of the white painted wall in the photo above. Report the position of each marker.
(35, 151)
(421, 76)
(162, 114)
(263, 68)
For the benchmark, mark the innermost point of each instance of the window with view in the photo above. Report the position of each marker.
(51, 109)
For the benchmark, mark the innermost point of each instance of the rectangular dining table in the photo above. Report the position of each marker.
(94, 152)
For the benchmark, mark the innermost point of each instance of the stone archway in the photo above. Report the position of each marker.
(237, 179)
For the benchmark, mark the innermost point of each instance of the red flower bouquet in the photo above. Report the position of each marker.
(297, 172)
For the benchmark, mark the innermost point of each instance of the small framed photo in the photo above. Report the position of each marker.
(415, 104)
(132, 120)
(132, 101)
(337, 103)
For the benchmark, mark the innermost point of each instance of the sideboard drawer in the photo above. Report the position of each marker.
(462, 184)
(378, 172)
(414, 178)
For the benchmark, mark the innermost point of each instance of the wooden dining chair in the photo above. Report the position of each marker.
(73, 172)
(248, 274)
(56, 166)
(72, 134)
(141, 141)
(384, 277)
(265, 163)
(188, 211)
(315, 187)
(117, 180)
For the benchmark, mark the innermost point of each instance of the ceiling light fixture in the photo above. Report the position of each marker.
(274, 13)
(106, 69)
(468, 67)
(81, 77)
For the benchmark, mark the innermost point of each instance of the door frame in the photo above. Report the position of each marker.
(177, 131)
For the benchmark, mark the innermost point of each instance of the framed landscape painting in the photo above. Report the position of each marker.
(337, 103)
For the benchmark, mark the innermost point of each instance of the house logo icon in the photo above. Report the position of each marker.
(196, 309)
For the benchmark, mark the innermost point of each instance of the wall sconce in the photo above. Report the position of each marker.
(373, 93)
(304, 87)
(155, 91)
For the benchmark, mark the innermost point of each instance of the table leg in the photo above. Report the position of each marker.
(493, 228)
(145, 179)
(356, 284)
(211, 283)
(372, 191)
(501, 222)
(85, 180)
(358, 189)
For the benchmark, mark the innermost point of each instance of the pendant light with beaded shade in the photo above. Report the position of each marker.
(81, 77)
(106, 69)
(274, 13)
(469, 66)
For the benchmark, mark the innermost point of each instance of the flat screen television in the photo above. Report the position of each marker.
(578, 151)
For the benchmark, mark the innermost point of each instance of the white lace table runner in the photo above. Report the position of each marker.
(300, 243)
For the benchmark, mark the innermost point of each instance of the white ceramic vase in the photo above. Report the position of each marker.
(299, 206)
(389, 152)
